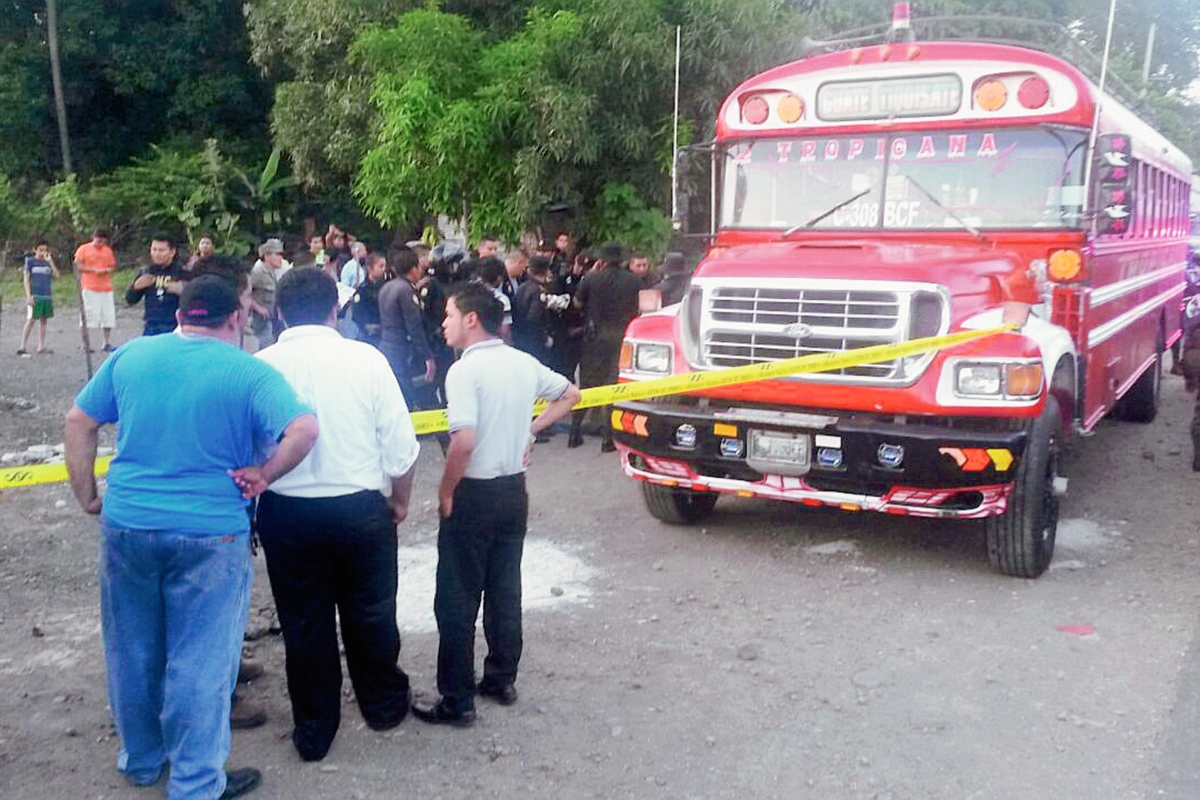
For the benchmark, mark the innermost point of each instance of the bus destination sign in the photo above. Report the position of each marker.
(933, 95)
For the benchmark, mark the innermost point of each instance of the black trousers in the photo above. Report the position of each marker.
(600, 366)
(325, 555)
(479, 554)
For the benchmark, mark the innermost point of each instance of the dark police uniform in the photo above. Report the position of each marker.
(608, 298)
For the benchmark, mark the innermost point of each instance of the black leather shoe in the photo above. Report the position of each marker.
(442, 714)
(505, 695)
(575, 440)
(387, 725)
(608, 447)
(240, 781)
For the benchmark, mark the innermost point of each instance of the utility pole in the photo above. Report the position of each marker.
(56, 76)
(1149, 55)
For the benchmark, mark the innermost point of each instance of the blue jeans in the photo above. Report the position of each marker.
(173, 609)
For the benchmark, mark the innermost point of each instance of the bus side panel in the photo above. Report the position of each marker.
(1134, 287)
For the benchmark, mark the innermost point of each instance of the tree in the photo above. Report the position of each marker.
(322, 117)
(135, 72)
(574, 108)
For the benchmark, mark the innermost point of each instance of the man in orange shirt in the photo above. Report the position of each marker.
(95, 263)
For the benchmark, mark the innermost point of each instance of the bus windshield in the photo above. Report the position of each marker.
(943, 180)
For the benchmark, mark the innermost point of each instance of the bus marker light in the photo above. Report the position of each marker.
(724, 429)
(1034, 92)
(1001, 458)
(755, 110)
(991, 95)
(625, 362)
(1022, 380)
(1065, 265)
(790, 109)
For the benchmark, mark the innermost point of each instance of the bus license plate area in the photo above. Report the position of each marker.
(778, 452)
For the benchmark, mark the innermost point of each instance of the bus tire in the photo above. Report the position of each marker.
(677, 506)
(1020, 541)
(1140, 403)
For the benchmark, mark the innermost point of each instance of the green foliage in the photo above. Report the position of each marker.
(62, 215)
(135, 72)
(16, 219)
(263, 194)
(189, 191)
(621, 216)
(492, 134)
(322, 117)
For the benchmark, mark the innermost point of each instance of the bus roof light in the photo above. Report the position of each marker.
(1034, 92)
(754, 110)
(1065, 265)
(790, 108)
(991, 94)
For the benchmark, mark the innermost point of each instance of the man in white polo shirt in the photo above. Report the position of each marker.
(490, 393)
(327, 530)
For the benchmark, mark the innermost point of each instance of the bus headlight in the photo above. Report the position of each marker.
(654, 358)
(975, 380)
(999, 379)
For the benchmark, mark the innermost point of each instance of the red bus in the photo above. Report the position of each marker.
(885, 192)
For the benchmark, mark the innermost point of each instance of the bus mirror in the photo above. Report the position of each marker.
(1114, 193)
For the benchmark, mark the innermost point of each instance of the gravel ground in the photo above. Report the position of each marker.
(771, 652)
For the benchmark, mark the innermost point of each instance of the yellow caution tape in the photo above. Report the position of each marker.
(37, 474)
(435, 421)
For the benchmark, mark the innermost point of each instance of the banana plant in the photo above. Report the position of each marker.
(263, 193)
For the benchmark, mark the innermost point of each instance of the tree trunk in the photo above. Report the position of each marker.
(56, 75)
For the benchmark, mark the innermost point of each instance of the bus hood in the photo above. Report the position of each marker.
(966, 270)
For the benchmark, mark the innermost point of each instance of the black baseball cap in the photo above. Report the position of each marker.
(208, 301)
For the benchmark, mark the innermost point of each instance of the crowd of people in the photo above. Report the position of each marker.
(287, 389)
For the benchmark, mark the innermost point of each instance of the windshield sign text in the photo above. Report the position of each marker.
(936, 95)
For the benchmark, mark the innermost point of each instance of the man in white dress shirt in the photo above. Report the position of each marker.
(328, 531)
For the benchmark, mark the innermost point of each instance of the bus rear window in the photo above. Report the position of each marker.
(944, 180)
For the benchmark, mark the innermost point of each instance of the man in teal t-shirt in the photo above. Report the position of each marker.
(175, 564)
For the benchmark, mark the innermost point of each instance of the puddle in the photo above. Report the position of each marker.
(544, 566)
(842, 547)
(1080, 536)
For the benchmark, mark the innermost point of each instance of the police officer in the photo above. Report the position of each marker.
(608, 299)
(402, 326)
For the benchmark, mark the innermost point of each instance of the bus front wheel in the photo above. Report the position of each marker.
(677, 506)
(1020, 541)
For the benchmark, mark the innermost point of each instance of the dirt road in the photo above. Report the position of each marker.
(773, 652)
